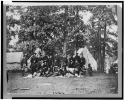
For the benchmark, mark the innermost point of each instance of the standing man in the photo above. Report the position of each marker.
(26, 56)
(77, 64)
(24, 64)
(34, 61)
(38, 51)
(71, 60)
(83, 61)
(27, 51)
(77, 58)
(71, 65)
(77, 68)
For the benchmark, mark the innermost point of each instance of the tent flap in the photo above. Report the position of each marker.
(14, 57)
(88, 57)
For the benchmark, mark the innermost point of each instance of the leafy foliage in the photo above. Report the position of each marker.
(60, 29)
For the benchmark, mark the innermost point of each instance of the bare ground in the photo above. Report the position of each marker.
(99, 83)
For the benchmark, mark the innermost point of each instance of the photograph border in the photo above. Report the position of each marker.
(68, 96)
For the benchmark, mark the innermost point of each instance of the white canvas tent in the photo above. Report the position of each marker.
(13, 60)
(88, 57)
(14, 57)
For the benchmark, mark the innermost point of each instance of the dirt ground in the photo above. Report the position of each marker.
(99, 83)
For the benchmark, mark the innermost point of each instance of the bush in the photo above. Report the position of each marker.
(22, 45)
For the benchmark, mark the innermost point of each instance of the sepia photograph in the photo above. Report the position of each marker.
(62, 49)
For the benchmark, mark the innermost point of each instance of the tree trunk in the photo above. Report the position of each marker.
(99, 49)
(104, 47)
(77, 11)
(65, 33)
(76, 46)
(64, 48)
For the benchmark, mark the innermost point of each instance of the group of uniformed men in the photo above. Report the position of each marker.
(48, 65)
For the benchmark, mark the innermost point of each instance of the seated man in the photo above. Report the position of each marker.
(90, 70)
(77, 68)
(83, 70)
(56, 68)
(63, 70)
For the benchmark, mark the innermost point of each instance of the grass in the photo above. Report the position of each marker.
(99, 83)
